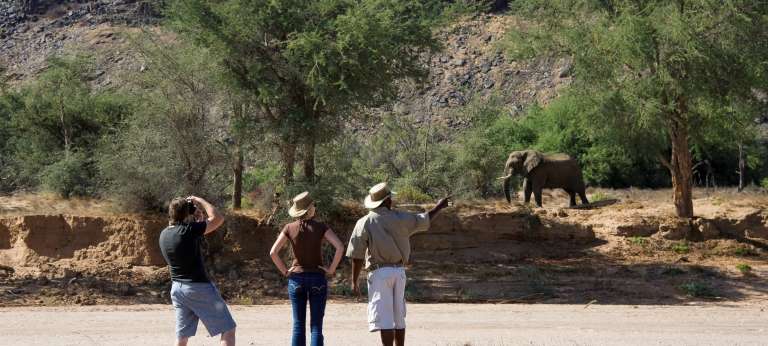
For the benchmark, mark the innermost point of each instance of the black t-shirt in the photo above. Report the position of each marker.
(180, 245)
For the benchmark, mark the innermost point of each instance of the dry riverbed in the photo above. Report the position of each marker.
(428, 324)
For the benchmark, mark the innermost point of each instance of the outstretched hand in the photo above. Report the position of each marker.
(441, 204)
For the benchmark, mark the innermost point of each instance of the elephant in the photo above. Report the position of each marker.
(542, 171)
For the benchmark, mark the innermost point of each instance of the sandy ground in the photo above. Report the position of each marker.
(429, 324)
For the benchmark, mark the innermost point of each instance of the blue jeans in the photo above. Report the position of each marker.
(312, 287)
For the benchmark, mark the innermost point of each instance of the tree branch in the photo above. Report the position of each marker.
(664, 161)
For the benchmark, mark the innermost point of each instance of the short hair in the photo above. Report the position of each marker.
(178, 210)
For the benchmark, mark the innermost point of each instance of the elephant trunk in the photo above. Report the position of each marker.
(506, 189)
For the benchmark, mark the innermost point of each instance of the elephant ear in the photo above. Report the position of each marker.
(508, 164)
(532, 160)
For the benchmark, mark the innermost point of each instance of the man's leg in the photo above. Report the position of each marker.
(387, 337)
(380, 304)
(398, 304)
(207, 303)
(400, 337)
(186, 320)
(228, 338)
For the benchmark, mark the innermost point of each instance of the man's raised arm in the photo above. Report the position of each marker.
(215, 219)
(441, 204)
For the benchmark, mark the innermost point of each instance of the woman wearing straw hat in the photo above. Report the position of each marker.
(306, 276)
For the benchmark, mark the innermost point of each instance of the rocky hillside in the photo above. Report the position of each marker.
(28, 36)
(471, 66)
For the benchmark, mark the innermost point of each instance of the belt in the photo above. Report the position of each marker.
(375, 266)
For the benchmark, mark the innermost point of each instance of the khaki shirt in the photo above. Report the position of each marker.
(383, 236)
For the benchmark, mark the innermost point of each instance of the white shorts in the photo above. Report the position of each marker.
(386, 299)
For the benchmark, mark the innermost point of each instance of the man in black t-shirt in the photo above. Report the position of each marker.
(193, 294)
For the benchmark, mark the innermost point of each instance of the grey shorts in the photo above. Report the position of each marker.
(200, 301)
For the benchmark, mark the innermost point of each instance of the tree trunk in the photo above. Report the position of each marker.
(309, 161)
(288, 156)
(64, 129)
(680, 169)
(238, 112)
(237, 170)
(27, 6)
(742, 167)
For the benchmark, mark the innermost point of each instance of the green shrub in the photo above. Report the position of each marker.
(764, 183)
(681, 248)
(744, 268)
(744, 251)
(57, 112)
(637, 240)
(411, 194)
(259, 186)
(260, 176)
(599, 196)
(170, 146)
(323, 192)
(70, 176)
(697, 290)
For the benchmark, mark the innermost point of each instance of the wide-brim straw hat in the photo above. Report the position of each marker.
(377, 195)
(302, 203)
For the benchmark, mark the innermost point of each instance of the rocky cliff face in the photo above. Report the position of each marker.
(472, 66)
(32, 31)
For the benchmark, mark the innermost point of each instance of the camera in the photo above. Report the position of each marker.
(189, 206)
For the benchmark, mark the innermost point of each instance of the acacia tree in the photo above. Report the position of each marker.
(173, 144)
(310, 65)
(658, 73)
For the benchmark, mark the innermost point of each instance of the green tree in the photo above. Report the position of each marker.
(657, 73)
(310, 65)
(174, 143)
(52, 118)
(9, 103)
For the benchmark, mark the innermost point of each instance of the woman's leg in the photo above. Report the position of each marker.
(318, 294)
(298, 293)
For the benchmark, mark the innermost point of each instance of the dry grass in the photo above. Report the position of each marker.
(721, 199)
(42, 203)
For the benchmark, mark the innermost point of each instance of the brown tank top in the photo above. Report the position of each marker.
(306, 245)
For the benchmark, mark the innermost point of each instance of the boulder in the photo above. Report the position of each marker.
(757, 232)
(642, 228)
(707, 229)
(458, 62)
(675, 229)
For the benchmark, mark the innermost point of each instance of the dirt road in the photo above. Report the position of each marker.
(440, 324)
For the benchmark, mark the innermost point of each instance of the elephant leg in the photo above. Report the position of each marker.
(583, 196)
(537, 195)
(528, 188)
(572, 195)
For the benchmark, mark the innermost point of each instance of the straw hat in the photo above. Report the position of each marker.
(377, 195)
(302, 203)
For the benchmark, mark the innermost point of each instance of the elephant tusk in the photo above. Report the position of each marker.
(505, 177)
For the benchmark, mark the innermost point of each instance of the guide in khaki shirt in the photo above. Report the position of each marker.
(383, 236)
